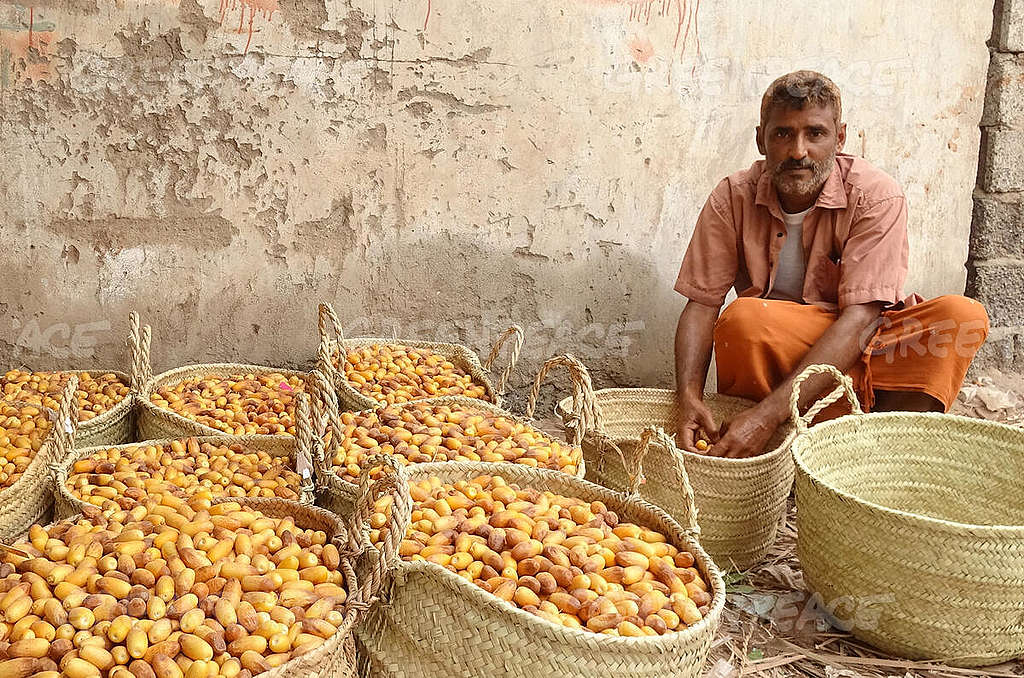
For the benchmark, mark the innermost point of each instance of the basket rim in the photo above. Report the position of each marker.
(150, 386)
(457, 400)
(808, 437)
(115, 412)
(452, 351)
(41, 459)
(561, 409)
(667, 641)
(63, 471)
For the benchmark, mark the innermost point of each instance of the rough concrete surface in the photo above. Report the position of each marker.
(437, 168)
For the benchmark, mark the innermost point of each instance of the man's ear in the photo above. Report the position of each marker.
(841, 137)
(759, 139)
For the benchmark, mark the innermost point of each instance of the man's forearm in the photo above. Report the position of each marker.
(841, 345)
(694, 338)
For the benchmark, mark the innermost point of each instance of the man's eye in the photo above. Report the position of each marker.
(781, 133)
(818, 133)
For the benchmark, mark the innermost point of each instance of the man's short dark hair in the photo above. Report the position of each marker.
(800, 89)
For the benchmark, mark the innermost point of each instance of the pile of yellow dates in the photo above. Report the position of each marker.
(570, 561)
(421, 432)
(96, 395)
(121, 477)
(22, 432)
(239, 404)
(392, 373)
(167, 590)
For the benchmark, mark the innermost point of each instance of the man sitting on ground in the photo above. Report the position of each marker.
(815, 243)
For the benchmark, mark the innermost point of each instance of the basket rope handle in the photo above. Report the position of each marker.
(304, 435)
(328, 324)
(65, 425)
(394, 482)
(139, 338)
(517, 347)
(633, 463)
(325, 419)
(586, 413)
(845, 388)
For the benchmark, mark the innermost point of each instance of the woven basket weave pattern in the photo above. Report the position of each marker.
(156, 423)
(889, 507)
(741, 501)
(331, 486)
(66, 504)
(29, 499)
(112, 427)
(460, 356)
(434, 621)
(334, 344)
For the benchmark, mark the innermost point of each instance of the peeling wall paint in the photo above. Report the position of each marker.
(434, 176)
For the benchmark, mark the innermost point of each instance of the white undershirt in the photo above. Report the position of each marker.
(790, 269)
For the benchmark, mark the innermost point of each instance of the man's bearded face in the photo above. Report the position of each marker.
(800, 147)
(802, 177)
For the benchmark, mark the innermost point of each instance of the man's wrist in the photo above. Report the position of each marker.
(690, 395)
(775, 408)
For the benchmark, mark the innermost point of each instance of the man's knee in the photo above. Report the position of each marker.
(968, 314)
(745, 318)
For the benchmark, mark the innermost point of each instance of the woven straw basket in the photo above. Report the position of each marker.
(30, 498)
(911, 526)
(460, 356)
(114, 426)
(156, 423)
(742, 502)
(335, 492)
(431, 622)
(336, 658)
(299, 449)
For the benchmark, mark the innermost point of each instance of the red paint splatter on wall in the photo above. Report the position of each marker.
(26, 51)
(685, 14)
(642, 49)
(263, 8)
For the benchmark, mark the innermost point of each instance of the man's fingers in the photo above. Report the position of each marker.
(708, 424)
(719, 449)
(688, 442)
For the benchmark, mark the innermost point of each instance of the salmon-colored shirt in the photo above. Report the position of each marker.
(854, 239)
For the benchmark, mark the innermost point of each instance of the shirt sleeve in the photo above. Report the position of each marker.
(873, 264)
(709, 267)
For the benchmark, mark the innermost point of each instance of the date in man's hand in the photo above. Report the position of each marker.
(693, 416)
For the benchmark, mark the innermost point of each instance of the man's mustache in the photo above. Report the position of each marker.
(796, 164)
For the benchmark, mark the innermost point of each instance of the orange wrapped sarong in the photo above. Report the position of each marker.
(923, 348)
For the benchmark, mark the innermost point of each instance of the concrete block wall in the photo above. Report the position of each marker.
(995, 267)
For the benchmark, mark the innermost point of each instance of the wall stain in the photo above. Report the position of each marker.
(27, 48)
(114, 233)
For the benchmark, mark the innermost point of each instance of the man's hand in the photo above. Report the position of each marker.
(747, 434)
(693, 416)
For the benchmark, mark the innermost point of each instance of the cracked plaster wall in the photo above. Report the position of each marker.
(435, 175)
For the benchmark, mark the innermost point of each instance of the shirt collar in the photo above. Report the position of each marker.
(832, 196)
